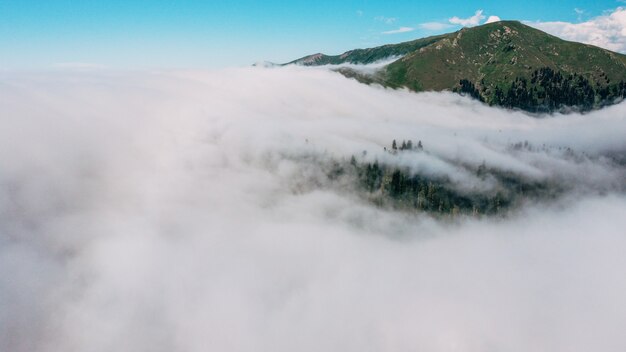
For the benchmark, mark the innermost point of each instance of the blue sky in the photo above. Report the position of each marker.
(205, 34)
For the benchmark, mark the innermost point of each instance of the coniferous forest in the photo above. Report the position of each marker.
(385, 184)
(548, 90)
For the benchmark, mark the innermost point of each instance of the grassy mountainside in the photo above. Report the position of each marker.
(504, 63)
(367, 56)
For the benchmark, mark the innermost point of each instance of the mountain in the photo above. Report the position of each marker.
(368, 56)
(504, 63)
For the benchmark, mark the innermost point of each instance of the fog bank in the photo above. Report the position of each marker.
(180, 211)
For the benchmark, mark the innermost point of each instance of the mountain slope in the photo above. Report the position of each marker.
(504, 63)
(368, 56)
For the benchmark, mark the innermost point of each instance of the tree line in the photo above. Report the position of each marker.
(548, 90)
(400, 187)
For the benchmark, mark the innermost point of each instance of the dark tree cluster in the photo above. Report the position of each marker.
(611, 93)
(519, 95)
(558, 90)
(466, 87)
(402, 189)
(406, 145)
(548, 90)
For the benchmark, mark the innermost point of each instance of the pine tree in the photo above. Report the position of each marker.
(421, 199)
(482, 170)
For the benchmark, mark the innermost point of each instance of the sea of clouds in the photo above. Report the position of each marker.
(186, 211)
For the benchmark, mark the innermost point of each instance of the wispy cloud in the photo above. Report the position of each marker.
(359, 13)
(579, 12)
(435, 26)
(400, 30)
(387, 20)
(470, 21)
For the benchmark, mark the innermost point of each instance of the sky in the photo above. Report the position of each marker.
(208, 34)
(204, 34)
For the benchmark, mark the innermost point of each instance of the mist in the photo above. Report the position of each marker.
(189, 211)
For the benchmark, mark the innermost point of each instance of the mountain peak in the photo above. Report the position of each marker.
(506, 63)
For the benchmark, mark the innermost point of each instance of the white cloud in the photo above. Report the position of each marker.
(435, 26)
(185, 211)
(399, 30)
(470, 21)
(492, 19)
(387, 20)
(607, 31)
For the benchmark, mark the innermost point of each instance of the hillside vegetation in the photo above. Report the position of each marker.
(504, 63)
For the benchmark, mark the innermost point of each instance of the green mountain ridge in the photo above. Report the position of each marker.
(505, 63)
(368, 56)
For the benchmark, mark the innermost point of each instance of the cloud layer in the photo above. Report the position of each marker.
(176, 211)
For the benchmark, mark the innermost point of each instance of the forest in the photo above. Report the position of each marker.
(400, 188)
(548, 90)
